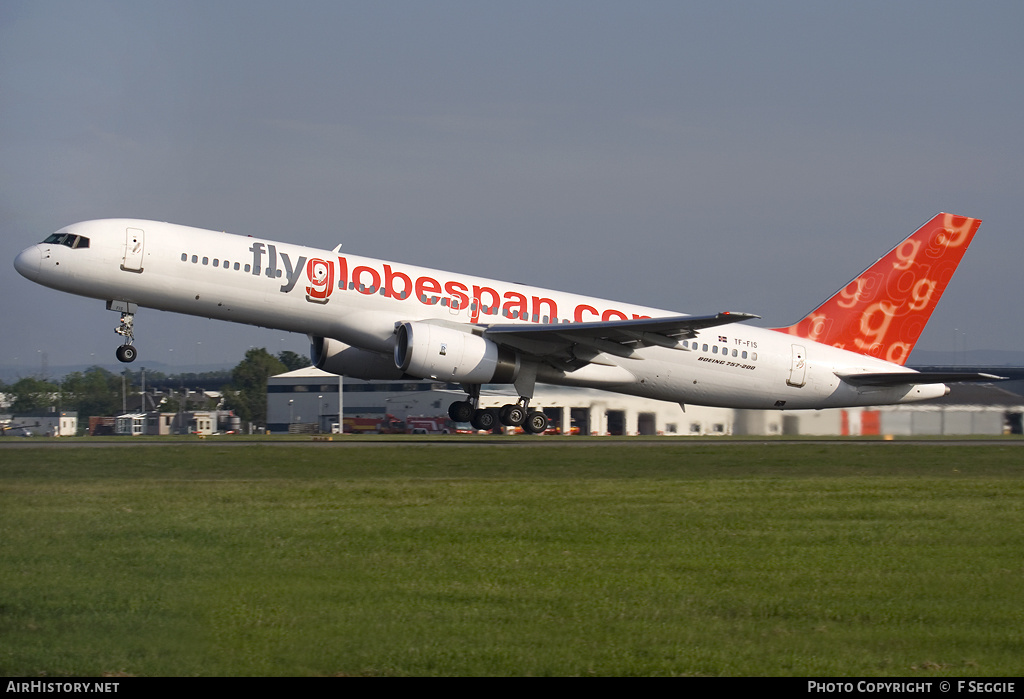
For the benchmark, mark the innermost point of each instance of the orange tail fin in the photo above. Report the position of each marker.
(882, 312)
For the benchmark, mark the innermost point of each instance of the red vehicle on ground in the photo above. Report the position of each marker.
(429, 425)
(389, 424)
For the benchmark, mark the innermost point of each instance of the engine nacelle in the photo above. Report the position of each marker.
(338, 358)
(450, 354)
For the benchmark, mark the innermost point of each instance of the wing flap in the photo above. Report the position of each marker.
(665, 332)
(908, 378)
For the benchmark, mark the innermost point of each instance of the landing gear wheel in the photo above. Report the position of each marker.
(536, 422)
(461, 411)
(126, 354)
(512, 415)
(484, 420)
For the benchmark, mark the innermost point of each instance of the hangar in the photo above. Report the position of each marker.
(310, 400)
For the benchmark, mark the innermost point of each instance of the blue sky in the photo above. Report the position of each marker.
(700, 157)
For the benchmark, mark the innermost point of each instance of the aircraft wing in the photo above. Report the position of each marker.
(903, 378)
(617, 337)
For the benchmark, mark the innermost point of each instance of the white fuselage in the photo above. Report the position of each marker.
(358, 301)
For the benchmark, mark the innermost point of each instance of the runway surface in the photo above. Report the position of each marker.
(524, 442)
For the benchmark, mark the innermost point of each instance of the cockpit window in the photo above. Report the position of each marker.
(69, 239)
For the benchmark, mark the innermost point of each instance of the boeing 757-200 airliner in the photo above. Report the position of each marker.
(372, 319)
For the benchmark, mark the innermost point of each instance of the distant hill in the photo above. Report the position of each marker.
(11, 373)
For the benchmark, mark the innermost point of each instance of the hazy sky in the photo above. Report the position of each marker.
(747, 156)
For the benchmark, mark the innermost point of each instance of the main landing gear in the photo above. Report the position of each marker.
(127, 353)
(513, 415)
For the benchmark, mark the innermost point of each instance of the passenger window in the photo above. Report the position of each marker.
(184, 257)
(714, 349)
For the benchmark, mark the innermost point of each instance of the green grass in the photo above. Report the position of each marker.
(428, 559)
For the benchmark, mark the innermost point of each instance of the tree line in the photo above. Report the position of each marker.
(99, 392)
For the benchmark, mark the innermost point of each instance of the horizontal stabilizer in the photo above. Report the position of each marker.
(906, 378)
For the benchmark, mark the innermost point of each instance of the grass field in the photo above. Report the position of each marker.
(428, 559)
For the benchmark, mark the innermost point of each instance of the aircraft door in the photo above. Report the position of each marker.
(134, 246)
(798, 368)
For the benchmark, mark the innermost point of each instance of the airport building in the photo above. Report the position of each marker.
(203, 422)
(309, 400)
(56, 424)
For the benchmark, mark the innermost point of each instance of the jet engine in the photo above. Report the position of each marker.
(451, 354)
(338, 358)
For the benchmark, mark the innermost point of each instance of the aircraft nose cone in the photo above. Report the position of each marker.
(28, 262)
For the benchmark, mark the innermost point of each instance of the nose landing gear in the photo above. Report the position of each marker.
(127, 353)
(126, 328)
